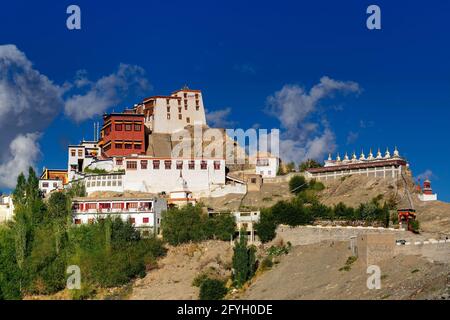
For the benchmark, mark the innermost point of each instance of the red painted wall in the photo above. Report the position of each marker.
(115, 133)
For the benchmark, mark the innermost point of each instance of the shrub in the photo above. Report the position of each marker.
(415, 226)
(267, 263)
(297, 184)
(212, 289)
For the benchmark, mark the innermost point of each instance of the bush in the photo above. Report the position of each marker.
(414, 226)
(212, 289)
(297, 184)
(291, 213)
(267, 263)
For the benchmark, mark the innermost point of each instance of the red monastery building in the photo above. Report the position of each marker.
(122, 134)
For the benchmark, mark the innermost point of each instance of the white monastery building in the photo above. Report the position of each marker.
(386, 166)
(143, 213)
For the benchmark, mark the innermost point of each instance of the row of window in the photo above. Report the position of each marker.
(73, 152)
(132, 165)
(113, 183)
(46, 184)
(126, 127)
(180, 117)
(105, 177)
(132, 220)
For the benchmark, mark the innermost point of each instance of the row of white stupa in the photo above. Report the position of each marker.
(362, 157)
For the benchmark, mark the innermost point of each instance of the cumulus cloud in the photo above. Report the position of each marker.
(306, 133)
(29, 102)
(23, 152)
(219, 118)
(105, 92)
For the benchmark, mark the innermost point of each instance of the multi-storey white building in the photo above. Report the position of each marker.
(267, 165)
(6, 208)
(154, 175)
(80, 156)
(143, 213)
(167, 114)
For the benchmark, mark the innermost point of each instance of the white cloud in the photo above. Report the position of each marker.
(105, 92)
(29, 101)
(219, 118)
(23, 153)
(427, 174)
(305, 134)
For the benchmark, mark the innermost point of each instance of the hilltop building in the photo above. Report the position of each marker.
(383, 166)
(52, 179)
(168, 114)
(134, 152)
(426, 193)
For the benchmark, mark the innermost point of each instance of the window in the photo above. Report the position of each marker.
(118, 145)
(180, 116)
(196, 96)
(270, 172)
(168, 109)
(168, 101)
(80, 153)
(179, 102)
(128, 146)
(77, 221)
(203, 165)
(185, 107)
(107, 130)
(191, 164)
(45, 185)
(137, 127)
(128, 127)
(72, 153)
(55, 185)
(168, 116)
(188, 120)
(143, 164)
(185, 95)
(167, 164)
(216, 165)
(119, 162)
(179, 109)
(138, 146)
(131, 165)
(118, 205)
(132, 205)
(145, 220)
(253, 180)
(106, 148)
(179, 164)
(155, 164)
(197, 108)
(118, 127)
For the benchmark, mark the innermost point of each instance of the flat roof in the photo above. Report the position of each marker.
(85, 199)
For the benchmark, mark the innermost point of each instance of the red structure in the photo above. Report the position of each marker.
(123, 134)
(405, 216)
(427, 187)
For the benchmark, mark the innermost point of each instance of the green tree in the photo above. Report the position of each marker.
(266, 226)
(310, 163)
(240, 261)
(183, 225)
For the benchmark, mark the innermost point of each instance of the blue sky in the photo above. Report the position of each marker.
(240, 53)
